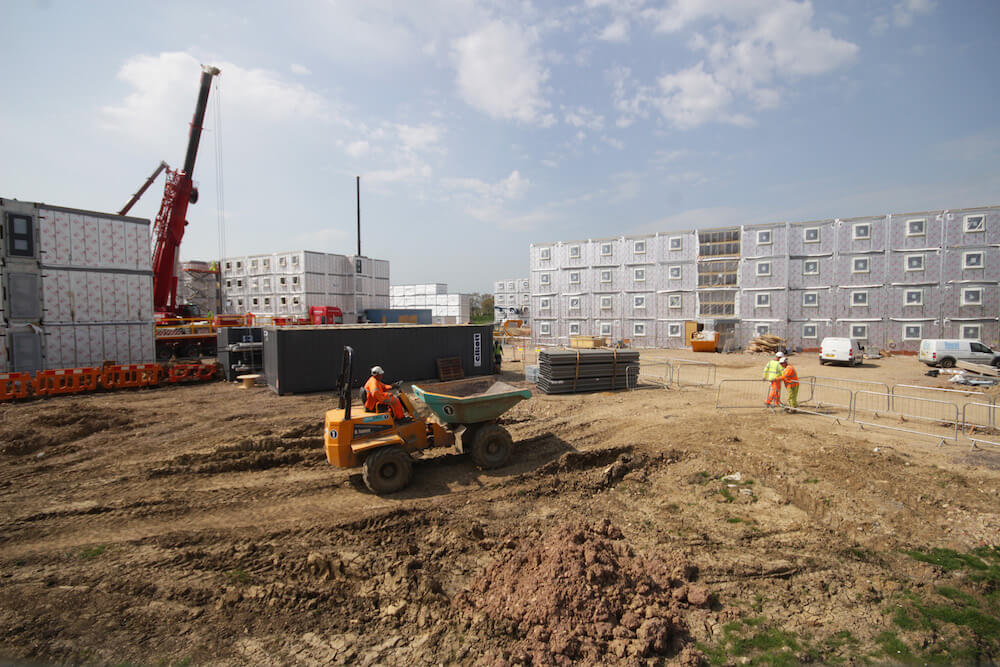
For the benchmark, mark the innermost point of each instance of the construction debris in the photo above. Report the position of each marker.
(981, 369)
(766, 343)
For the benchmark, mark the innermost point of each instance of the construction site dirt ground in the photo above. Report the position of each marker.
(202, 524)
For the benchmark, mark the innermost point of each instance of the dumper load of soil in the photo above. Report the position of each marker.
(581, 594)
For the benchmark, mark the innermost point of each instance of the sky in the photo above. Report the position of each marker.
(480, 127)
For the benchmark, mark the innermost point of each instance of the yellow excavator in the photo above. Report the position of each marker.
(467, 409)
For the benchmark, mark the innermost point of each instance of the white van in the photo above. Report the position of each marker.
(944, 352)
(843, 350)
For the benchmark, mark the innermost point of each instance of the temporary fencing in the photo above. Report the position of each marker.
(15, 385)
(919, 416)
(825, 400)
(79, 380)
(688, 373)
(655, 372)
(981, 423)
(958, 396)
(822, 401)
(809, 381)
(740, 394)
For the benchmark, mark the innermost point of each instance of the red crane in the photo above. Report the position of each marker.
(178, 192)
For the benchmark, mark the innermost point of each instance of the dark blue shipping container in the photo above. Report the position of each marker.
(302, 359)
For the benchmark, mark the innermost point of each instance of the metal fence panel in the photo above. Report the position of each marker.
(692, 373)
(827, 401)
(920, 416)
(980, 423)
(656, 372)
(957, 396)
(852, 384)
(739, 394)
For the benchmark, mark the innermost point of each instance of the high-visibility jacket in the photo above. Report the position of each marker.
(772, 371)
(789, 376)
(376, 392)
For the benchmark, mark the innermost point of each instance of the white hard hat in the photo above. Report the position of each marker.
(377, 370)
(782, 359)
(779, 355)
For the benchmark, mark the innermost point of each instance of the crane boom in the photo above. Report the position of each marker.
(145, 186)
(178, 192)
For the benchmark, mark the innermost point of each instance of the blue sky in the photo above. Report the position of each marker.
(480, 127)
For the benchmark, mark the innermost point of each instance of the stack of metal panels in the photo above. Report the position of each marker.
(573, 371)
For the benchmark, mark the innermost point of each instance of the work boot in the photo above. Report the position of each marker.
(404, 420)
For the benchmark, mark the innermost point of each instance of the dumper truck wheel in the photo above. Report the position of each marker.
(491, 446)
(388, 470)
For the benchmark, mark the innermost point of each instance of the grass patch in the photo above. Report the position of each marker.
(239, 576)
(811, 480)
(724, 491)
(958, 623)
(93, 552)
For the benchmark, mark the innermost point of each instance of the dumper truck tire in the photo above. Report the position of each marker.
(387, 469)
(491, 446)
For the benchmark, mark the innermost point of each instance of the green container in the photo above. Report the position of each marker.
(470, 401)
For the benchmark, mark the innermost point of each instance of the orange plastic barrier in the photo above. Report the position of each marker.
(66, 381)
(14, 385)
(77, 380)
(131, 375)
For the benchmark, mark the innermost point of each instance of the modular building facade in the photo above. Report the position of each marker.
(512, 299)
(77, 288)
(445, 307)
(288, 284)
(889, 281)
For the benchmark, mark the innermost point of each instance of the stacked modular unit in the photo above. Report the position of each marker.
(77, 288)
(288, 284)
(676, 297)
(763, 281)
(307, 358)
(887, 280)
(199, 286)
(511, 299)
(971, 275)
(445, 307)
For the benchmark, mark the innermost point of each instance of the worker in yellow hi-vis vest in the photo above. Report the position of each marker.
(772, 374)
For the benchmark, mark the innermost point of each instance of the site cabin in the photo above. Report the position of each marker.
(945, 352)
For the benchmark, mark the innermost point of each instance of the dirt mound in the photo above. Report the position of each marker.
(583, 594)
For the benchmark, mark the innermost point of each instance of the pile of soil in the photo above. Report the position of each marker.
(583, 594)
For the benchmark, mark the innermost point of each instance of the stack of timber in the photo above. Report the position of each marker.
(573, 371)
(766, 343)
(981, 369)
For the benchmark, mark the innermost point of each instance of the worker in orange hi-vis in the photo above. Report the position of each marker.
(791, 380)
(772, 374)
(379, 393)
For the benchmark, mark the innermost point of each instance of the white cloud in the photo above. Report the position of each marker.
(403, 174)
(164, 89)
(903, 12)
(419, 137)
(513, 186)
(692, 97)
(617, 144)
(301, 70)
(583, 117)
(356, 148)
(753, 47)
(500, 72)
(616, 31)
